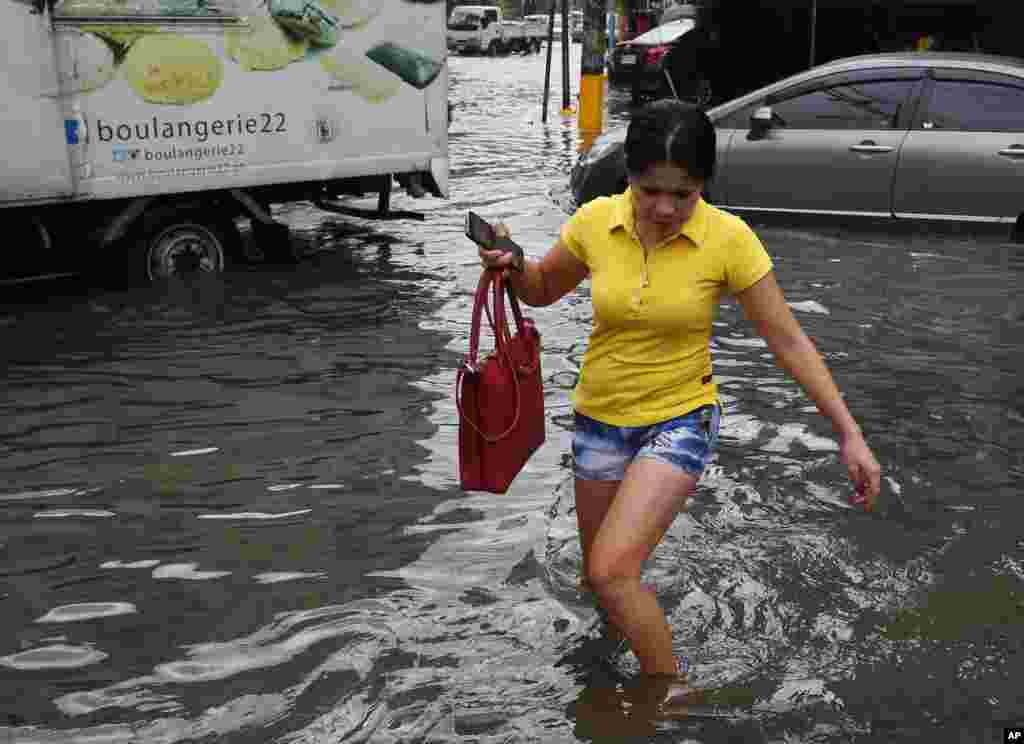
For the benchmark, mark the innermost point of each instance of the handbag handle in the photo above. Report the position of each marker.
(501, 287)
(479, 301)
(494, 281)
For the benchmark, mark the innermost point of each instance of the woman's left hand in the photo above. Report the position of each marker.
(864, 470)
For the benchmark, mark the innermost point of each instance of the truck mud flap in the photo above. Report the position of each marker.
(382, 212)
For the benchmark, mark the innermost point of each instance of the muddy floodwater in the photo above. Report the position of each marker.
(229, 512)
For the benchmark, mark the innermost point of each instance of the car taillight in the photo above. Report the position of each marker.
(654, 55)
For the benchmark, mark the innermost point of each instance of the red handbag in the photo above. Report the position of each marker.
(501, 400)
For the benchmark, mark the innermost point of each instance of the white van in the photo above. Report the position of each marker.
(148, 126)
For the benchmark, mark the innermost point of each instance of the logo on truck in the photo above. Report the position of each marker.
(201, 130)
(126, 154)
(205, 139)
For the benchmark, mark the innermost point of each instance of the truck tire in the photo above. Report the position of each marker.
(275, 242)
(536, 46)
(493, 48)
(187, 245)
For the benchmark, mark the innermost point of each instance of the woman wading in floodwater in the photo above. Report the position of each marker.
(647, 411)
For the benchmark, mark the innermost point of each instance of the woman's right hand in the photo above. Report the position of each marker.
(498, 260)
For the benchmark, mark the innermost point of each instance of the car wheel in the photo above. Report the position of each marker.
(185, 246)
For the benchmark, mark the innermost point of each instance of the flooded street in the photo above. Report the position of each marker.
(231, 512)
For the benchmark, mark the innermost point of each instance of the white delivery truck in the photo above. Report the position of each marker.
(136, 132)
(483, 29)
(531, 33)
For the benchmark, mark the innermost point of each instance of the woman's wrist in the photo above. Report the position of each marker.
(843, 423)
(847, 429)
(527, 283)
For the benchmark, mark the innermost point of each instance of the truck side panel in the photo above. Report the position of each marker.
(199, 103)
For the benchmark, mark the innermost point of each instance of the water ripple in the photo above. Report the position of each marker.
(280, 444)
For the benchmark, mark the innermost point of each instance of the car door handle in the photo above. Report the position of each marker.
(870, 147)
(1013, 151)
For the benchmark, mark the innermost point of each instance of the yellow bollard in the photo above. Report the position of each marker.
(587, 137)
(592, 102)
(591, 120)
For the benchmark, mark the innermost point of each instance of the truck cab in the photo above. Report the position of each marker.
(475, 29)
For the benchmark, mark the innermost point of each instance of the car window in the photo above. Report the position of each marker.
(874, 104)
(667, 32)
(975, 107)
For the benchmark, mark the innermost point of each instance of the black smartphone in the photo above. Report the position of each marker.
(480, 232)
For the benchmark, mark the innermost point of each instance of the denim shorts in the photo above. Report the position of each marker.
(602, 451)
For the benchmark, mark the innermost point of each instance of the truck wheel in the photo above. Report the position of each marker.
(185, 246)
(492, 49)
(536, 46)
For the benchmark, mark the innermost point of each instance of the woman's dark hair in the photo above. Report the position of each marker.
(671, 131)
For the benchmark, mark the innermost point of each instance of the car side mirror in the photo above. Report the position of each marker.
(761, 121)
(762, 117)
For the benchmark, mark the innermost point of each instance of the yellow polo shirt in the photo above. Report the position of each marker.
(649, 358)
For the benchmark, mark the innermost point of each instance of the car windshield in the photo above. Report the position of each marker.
(464, 18)
(666, 33)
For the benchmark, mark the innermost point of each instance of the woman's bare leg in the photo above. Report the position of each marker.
(644, 506)
(593, 499)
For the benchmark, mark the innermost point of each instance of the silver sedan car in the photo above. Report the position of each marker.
(915, 136)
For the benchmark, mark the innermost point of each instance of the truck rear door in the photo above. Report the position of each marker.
(36, 164)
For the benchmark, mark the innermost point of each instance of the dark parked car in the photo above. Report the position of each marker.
(667, 60)
(912, 136)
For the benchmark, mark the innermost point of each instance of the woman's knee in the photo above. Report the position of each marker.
(605, 573)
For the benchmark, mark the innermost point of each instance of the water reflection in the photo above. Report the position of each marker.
(646, 707)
